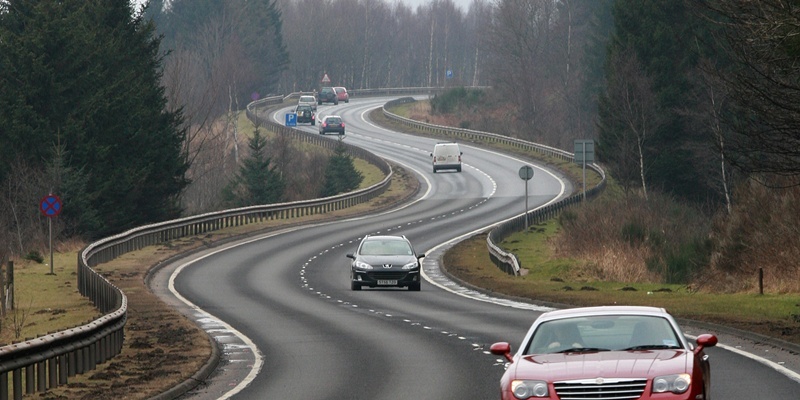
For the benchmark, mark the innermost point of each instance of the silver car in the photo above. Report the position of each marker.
(308, 100)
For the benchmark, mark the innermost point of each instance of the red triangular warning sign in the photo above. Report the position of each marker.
(325, 79)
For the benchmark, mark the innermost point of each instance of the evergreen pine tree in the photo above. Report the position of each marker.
(257, 182)
(87, 74)
(661, 34)
(341, 175)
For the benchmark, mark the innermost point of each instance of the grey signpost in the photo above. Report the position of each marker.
(526, 173)
(584, 153)
(50, 206)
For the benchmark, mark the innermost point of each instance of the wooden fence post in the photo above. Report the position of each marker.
(2, 292)
(9, 293)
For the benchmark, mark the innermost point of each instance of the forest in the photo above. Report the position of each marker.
(131, 114)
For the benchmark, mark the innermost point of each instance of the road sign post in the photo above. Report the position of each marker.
(526, 173)
(584, 153)
(50, 206)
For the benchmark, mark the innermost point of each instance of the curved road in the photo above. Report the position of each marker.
(287, 294)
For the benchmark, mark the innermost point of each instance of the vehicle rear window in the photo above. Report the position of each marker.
(334, 120)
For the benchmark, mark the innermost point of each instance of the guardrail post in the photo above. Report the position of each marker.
(71, 363)
(62, 370)
(30, 379)
(52, 372)
(41, 376)
(92, 348)
(16, 377)
(4, 386)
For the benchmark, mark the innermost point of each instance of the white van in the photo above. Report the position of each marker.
(446, 155)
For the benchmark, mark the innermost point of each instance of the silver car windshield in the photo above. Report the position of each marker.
(386, 248)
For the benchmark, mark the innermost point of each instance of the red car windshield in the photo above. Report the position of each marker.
(603, 333)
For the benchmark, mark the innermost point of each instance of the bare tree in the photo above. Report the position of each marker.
(202, 78)
(633, 108)
(23, 225)
(710, 104)
(760, 37)
(517, 45)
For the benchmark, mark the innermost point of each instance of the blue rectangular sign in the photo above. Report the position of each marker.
(291, 119)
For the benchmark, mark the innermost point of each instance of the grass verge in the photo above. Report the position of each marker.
(550, 279)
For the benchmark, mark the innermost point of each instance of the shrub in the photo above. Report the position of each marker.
(633, 232)
(34, 255)
(453, 99)
(567, 217)
(680, 264)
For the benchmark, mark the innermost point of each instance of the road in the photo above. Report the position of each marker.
(291, 328)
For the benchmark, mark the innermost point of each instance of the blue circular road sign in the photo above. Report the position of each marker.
(50, 205)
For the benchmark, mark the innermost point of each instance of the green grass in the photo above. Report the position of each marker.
(371, 173)
(45, 302)
(549, 278)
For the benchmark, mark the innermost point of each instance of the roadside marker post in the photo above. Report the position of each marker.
(526, 173)
(50, 206)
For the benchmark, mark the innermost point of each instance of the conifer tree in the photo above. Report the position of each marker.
(341, 175)
(660, 35)
(86, 75)
(257, 182)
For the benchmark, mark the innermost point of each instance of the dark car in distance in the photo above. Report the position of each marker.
(385, 261)
(327, 95)
(305, 115)
(606, 352)
(331, 123)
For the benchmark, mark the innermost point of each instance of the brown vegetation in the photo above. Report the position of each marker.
(626, 238)
(761, 233)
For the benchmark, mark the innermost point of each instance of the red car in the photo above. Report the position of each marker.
(613, 352)
(341, 94)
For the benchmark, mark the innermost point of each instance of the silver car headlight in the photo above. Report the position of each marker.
(527, 389)
(677, 383)
(362, 265)
(410, 265)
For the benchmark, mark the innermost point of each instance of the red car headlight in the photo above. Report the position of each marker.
(529, 389)
(678, 383)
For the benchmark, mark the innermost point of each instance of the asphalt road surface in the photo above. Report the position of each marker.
(281, 308)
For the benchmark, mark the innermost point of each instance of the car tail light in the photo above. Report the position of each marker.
(342, 124)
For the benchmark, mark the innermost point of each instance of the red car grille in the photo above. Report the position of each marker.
(611, 389)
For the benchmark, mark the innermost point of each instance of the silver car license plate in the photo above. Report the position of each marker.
(387, 282)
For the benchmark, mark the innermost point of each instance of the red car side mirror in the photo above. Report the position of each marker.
(502, 349)
(705, 340)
